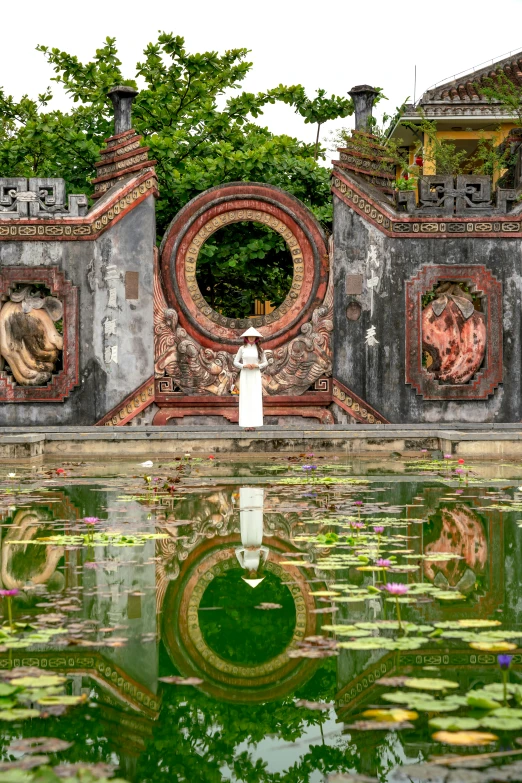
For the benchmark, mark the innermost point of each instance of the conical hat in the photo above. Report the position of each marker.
(251, 332)
(252, 582)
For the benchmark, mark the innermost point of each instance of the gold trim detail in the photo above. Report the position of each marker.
(238, 216)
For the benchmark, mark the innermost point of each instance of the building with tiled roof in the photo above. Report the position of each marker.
(463, 114)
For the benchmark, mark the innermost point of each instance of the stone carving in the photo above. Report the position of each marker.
(292, 368)
(29, 341)
(442, 196)
(38, 198)
(194, 369)
(453, 335)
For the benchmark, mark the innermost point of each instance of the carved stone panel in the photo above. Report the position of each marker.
(453, 344)
(38, 335)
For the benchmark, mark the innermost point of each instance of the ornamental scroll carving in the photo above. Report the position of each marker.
(188, 367)
(30, 343)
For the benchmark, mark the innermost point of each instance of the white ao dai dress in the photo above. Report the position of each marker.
(250, 386)
(252, 553)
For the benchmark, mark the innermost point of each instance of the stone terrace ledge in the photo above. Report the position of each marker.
(483, 441)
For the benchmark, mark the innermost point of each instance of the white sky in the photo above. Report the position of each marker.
(334, 45)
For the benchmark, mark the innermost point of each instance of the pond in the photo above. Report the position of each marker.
(288, 619)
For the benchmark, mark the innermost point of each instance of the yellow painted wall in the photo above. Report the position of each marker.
(498, 135)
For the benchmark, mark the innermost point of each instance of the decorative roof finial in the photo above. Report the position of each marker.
(363, 97)
(122, 98)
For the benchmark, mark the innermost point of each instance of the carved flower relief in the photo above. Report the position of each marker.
(30, 343)
(453, 335)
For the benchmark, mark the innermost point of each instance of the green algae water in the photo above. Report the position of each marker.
(288, 620)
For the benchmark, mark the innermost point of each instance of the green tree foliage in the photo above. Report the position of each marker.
(199, 124)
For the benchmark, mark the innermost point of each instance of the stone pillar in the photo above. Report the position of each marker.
(363, 97)
(122, 98)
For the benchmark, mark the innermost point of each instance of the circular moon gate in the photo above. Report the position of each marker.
(234, 203)
(194, 657)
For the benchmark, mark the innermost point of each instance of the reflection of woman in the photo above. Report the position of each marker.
(252, 554)
(251, 359)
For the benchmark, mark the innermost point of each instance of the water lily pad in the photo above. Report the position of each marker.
(493, 647)
(455, 723)
(430, 684)
(395, 715)
(465, 737)
(63, 701)
(19, 714)
(39, 745)
(482, 701)
(39, 682)
(501, 723)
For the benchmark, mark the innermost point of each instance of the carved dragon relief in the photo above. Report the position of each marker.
(291, 370)
(30, 343)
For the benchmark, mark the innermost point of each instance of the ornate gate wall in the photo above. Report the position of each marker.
(195, 345)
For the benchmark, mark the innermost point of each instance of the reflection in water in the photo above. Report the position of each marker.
(252, 554)
(456, 530)
(184, 606)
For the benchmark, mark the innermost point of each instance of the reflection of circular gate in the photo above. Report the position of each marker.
(233, 203)
(193, 656)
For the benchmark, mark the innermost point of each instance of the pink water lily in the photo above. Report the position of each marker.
(383, 563)
(395, 588)
(91, 520)
(9, 593)
(378, 529)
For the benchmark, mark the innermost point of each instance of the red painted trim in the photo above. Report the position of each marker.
(100, 218)
(247, 197)
(355, 196)
(339, 389)
(130, 407)
(115, 175)
(108, 160)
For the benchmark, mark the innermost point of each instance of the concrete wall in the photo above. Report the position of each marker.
(377, 373)
(96, 267)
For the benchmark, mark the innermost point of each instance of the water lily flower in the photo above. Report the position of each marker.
(504, 661)
(383, 563)
(448, 456)
(307, 467)
(461, 461)
(459, 470)
(310, 455)
(148, 464)
(60, 472)
(358, 503)
(459, 491)
(89, 564)
(358, 525)
(396, 588)
(91, 520)
(9, 595)
(211, 456)
(424, 451)
(378, 529)
(11, 475)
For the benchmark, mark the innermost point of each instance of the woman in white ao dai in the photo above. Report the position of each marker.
(251, 360)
